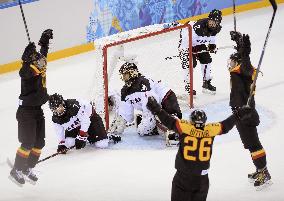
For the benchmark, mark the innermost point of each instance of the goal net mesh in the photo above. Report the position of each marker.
(155, 52)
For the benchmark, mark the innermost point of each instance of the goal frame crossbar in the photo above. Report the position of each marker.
(147, 35)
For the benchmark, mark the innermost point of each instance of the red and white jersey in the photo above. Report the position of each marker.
(200, 34)
(76, 117)
(135, 97)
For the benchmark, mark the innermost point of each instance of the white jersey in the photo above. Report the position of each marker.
(136, 96)
(77, 117)
(199, 36)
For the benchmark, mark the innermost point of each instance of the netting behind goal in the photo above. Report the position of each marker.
(150, 48)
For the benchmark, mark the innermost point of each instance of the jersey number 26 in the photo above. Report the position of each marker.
(191, 146)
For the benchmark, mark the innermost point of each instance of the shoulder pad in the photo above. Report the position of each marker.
(140, 84)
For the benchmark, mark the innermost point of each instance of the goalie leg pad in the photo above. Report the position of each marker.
(147, 125)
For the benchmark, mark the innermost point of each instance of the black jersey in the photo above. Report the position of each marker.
(242, 77)
(33, 83)
(195, 148)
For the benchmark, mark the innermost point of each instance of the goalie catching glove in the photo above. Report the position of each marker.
(118, 125)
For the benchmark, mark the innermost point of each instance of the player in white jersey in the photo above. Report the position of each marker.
(203, 43)
(134, 96)
(75, 122)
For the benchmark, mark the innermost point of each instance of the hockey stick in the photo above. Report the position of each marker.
(274, 6)
(234, 13)
(220, 48)
(55, 154)
(24, 19)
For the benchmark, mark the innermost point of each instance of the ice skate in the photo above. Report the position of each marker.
(17, 177)
(252, 176)
(173, 139)
(30, 176)
(263, 179)
(208, 88)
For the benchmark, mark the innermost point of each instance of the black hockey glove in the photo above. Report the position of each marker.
(212, 48)
(29, 52)
(114, 137)
(45, 37)
(153, 105)
(62, 149)
(199, 48)
(80, 142)
(235, 36)
(245, 46)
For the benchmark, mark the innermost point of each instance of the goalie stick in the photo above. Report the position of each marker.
(274, 6)
(220, 48)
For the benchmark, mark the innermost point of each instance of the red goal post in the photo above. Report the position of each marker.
(129, 39)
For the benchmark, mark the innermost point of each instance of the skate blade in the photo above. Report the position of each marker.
(30, 181)
(172, 143)
(251, 180)
(14, 181)
(264, 186)
(206, 91)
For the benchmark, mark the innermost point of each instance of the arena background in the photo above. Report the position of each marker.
(77, 24)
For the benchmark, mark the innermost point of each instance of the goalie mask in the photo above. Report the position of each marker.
(128, 71)
(39, 60)
(57, 104)
(198, 118)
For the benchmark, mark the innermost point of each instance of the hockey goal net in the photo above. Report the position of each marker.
(155, 52)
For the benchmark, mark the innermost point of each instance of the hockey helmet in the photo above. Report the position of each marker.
(215, 15)
(57, 104)
(128, 71)
(39, 60)
(234, 60)
(198, 118)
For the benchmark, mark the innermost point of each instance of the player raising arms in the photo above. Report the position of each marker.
(196, 138)
(134, 95)
(242, 75)
(30, 117)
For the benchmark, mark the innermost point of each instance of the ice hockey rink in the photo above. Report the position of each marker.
(141, 169)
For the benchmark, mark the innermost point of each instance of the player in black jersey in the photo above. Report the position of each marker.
(76, 122)
(242, 74)
(203, 43)
(191, 182)
(30, 117)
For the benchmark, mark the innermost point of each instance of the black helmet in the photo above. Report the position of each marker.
(215, 15)
(236, 57)
(55, 101)
(198, 118)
